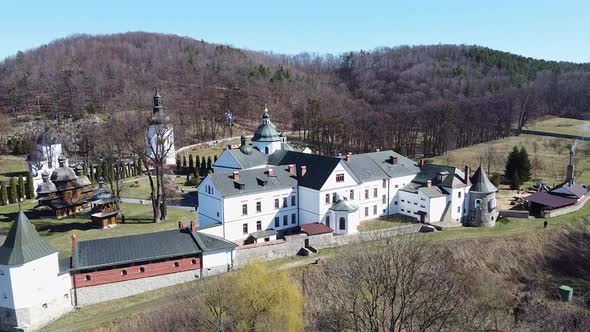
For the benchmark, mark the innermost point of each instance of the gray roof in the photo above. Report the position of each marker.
(365, 168)
(46, 188)
(253, 181)
(319, 167)
(404, 167)
(286, 146)
(102, 196)
(263, 234)
(139, 248)
(344, 205)
(252, 159)
(481, 183)
(569, 188)
(23, 244)
(433, 191)
(83, 180)
(266, 131)
(452, 177)
(62, 174)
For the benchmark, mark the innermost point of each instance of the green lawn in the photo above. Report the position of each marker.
(12, 166)
(140, 187)
(58, 232)
(562, 126)
(383, 223)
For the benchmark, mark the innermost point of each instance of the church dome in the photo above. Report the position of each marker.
(266, 131)
(63, 173)
(244, 148)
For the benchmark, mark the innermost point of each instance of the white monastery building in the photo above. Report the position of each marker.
(268, 189)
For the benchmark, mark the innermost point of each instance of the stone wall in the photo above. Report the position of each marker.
(514, 214)
(94, 294)
(294, 243)
(31, 319)
(567, 209)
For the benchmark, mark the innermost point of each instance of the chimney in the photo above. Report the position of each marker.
(292, 169)
(303, 170)
(74, 242)
(193, 227)
(429, 183)
(348, 156)
(421, 162)
(180, 225)
(377, 150)
(339, 155)
(229, 146)
(393, 160)
(236, 175)
(270, 172)
(467, 175)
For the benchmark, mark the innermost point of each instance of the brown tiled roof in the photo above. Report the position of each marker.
(315, 229)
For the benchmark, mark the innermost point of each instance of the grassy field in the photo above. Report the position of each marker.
(562, 126)
(549, 157)
(58, 232)
(383, 223)
(140, 187)
(12, 166)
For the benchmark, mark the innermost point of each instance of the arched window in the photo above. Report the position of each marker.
(342, 223)
(477, 203)
(124, 272)
(328, 221)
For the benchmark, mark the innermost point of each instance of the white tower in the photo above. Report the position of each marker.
(160, 134)
(45, 157)
(32, 290)
(266, 138)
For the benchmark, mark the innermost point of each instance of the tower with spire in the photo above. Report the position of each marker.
(483, 211)
(160, 133)
(32, 289)
(266, 138)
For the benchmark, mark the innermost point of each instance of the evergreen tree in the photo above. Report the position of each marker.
(3, 194)
(98, 172)
(177, 165)
(30, 186)
(209, 163)
(139, 167)
(515, 182)
(203, 168)
(85, 171)
(512, 163)
(13, 194)
(214, 158)
(184, 163)
(524, 166)
(197, 166)
(91, 172)
(191, 164)
(21, 188)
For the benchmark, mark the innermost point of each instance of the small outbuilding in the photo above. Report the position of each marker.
(262, 236)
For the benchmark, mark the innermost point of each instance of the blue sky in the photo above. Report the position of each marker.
(555, 30)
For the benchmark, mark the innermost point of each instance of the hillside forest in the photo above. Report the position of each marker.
(417, 100)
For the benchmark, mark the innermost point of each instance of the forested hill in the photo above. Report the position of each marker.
(425, 98)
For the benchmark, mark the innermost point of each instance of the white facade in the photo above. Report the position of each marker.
(50, 153)
(35, 291)
(165, 134)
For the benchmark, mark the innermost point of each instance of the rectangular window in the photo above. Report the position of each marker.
(384, 183)
(245, 228)
(327, 198)
(244, 209)
(259, 225)
(403, 210)
(258, 206)
(395, 203)
(374, 209)
(366, 193)
(396, 186)
(276, 203)
(351, 194)
(293, 200)
(459, 194)
(403, 200)
(334, 197)
(342, 224)
(458, 209)
(374, 192)
(366, 211)
(384, 199)
(293, 218)
(285, 202)
(277, 222)
(285, 220)
(340, 177)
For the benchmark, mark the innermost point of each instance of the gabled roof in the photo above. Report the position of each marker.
(550, 201)
(23, 244)
(344, 206)
(318, 167)
(365, 168)
(123, 250)
(481, 183)
(252, 159)
(452, 177)
(315, 229)
(252, 181)
(263, 234)
(404, 166)
(570, 189)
